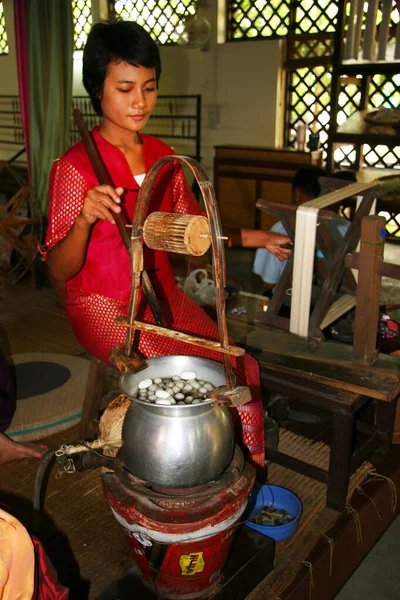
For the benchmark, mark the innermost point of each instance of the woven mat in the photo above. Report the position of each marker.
(316, 518)
(50, 397)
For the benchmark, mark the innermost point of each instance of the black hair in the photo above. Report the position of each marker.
(122, 41)
(306, 180)
(346, 175)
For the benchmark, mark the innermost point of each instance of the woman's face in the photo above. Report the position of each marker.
(129, 95)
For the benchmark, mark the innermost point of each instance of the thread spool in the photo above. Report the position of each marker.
(172, 232)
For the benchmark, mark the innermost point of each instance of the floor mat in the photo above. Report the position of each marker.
(50, 392)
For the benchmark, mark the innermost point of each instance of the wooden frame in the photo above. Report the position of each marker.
(336, 277)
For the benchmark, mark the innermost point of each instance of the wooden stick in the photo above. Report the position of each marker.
(100, 170)
(276, 207)
(181, 337)
(104, 178)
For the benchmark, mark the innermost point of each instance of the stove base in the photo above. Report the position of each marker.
(251, 559)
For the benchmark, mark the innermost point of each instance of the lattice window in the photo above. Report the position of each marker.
(82, 16)
(309, 55)
(381, 156)
(3, 32)
(315, 16)
(309, 93)
(392, 223)
(349, 98)
(345, 157)
(307, 46)
(248, 19)
(384, 91)
(161, 18)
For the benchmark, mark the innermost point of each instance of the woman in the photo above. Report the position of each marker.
(121, 70)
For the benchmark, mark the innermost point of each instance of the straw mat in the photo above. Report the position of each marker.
(316, 518)
(50, 392)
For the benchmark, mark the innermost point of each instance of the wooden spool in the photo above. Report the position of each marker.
(183, 234)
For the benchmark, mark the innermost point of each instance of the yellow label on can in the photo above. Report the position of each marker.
(191, 563)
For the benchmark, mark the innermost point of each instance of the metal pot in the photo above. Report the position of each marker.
(177, 446)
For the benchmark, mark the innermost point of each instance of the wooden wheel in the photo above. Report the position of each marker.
(20, 227)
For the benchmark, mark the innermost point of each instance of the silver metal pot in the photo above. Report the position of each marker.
(176, 446)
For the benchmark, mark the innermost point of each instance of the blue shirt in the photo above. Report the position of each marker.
(270, 268)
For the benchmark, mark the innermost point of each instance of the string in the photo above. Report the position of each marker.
(379, 477)
(310, 573)
(365, 243)
(349, 509)
(331, 543)
(184, 285)
(363, 493)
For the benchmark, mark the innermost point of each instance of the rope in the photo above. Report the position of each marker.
(68, 468)
(363, 493)
(331, 543)
(351, 511)
(310, 574)
(379, 477)
(365, 243)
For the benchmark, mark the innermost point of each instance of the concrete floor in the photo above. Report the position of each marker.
(378, 576)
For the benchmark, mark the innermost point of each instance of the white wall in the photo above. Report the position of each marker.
(238, 83)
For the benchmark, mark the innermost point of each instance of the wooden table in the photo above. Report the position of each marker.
(321, 375)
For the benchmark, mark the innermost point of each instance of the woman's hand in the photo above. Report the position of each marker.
(274, 242)
(67, 257)
(100, 203)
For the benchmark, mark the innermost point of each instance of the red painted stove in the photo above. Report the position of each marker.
(180, 539)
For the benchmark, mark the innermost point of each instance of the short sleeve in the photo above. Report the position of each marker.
(67, 192)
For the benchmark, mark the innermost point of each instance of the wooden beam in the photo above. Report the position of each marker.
(181, 337)
(384, 269)
(368, 291)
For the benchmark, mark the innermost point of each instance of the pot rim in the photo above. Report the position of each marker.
(154, 360)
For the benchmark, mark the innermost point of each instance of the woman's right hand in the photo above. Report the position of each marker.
(100, 203)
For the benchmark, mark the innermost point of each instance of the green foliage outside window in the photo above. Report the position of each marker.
(3, 32)
(82, 16)
(163, 19)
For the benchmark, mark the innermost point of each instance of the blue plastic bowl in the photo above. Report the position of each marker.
(280, 498)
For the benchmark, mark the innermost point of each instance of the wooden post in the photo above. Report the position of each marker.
(370, 31)
(368, 291)
(384, 29)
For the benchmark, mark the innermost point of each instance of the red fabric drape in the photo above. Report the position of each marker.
(47, 586)
(21, 41)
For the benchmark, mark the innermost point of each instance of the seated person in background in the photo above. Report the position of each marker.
(305, 187)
